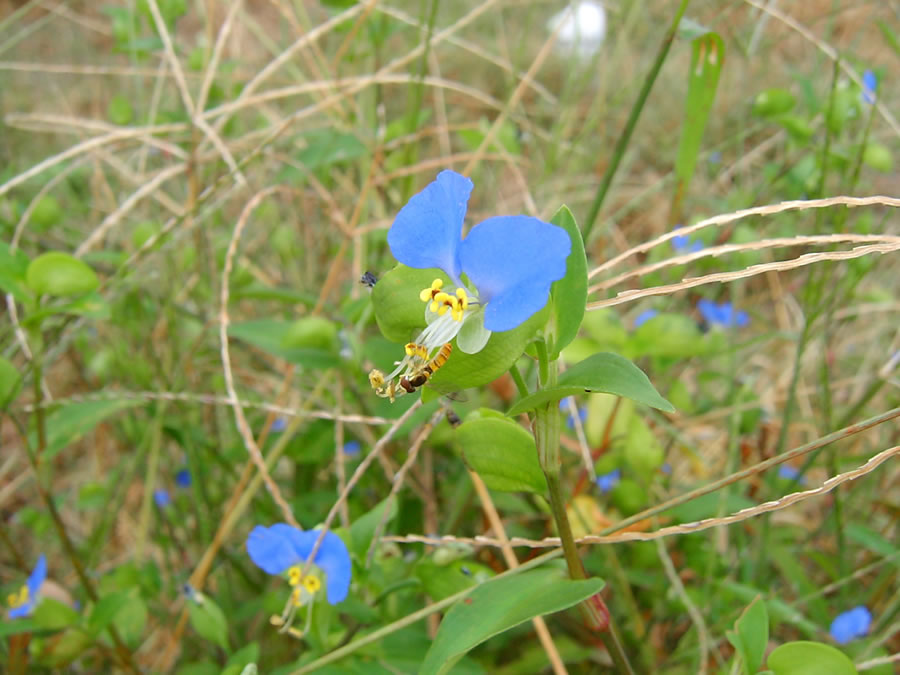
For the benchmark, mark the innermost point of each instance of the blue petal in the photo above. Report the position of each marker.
(513, 260)
(644, 317)
(37, 577)
(183, 478)
(270, 549)
(870, 84)
(708, 310)
(21, 610)
(334, 559)
(427, 231)
(851, 624)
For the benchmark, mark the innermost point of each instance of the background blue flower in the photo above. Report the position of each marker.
(162, 498)
(32, 585)
(279, 424)
(274, 549)
(352, 448)
(723, 314)
(684, 244)
(183, 478)
(790, 473)
(608, 481)
(851, 624)
(870, 84)
(511, 260)
(644, 317)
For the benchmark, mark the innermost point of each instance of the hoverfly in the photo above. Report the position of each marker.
(419, 371)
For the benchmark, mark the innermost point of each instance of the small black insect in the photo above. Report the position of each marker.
(368, 279)
(453, 418)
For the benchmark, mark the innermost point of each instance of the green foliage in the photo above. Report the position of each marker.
(608, 373)
(807, 658)
(498, 605)
(61, 275)
(569, 294)
(751, 635)
(10, 382)
(502, 453)
(208, 619)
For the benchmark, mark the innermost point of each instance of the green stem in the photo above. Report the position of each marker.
(622, 143)
(519, 380)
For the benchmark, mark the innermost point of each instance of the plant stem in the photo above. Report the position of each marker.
(622, 143)
(519, 380)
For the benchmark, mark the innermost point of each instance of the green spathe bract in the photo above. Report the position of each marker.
(568, 295)
(502, 453)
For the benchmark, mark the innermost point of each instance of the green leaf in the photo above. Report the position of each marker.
(707, 55)
(502, 453)
(10, 382)
(13, 269)
(809, 658)
(312, 332)
(131, 620)
(70, 422)
(568, 295)
(60, 274)
(273, 336)
(51, 614)
(395, 298)
(878, 156)
(442, 581)
(209, 620)
(363, 528)
(500, 604)
(751, 635)
(773, 102)
(67, 647)
(119, 110)
(105, 611)
(244, 656)
(604, 372)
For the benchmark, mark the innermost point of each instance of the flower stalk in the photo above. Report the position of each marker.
(546, 435)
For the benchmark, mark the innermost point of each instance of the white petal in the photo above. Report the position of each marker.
(473, 336)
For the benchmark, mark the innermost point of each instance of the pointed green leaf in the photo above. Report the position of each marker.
(809, 658)
(60, 274)
(275, 337)
(363, 528)
(500, 604)
(10, 382)
(51, 614)
(569, 294)
(604, 372)
(751, 635)
(502, 453)
(106, 609)
(70, 422)
(707, 55)
(13, 269)
(208, 620)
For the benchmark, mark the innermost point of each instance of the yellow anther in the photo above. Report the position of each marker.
(312, 584)
(414, 349)
(18, 599)
(294, 575)
(376, 379)
(297, 596)
(463, 298)
(429, 293)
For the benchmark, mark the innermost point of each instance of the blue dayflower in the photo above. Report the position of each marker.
(644, 317)
(684, 244)
(183, 478)
(723, 315)
(851, 624)
(791, 473)
(870, 84)
(510, 262)
(608, 481)
(162, 498)
(570, 418)
(352, 448)
(23, 603)
(279, 424)
(715, 157)
(283, 548)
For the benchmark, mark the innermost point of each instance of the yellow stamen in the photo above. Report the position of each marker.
(297, 596)
(429, 293)
(312, 584)
(376, 379)
(294, 575)
(18, 599)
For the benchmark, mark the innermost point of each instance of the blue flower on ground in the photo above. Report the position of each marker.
(723, 315)
(666, 468)
(608, 481)
(644, 317)
(23, 603)
(183, 478)
(352, 448)
(162, 498)
(715, 157)
(570, 419)
(683, 244)
(283, 548)
(870, 84)
(851, 625)
(279, 424)
(790, 473)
